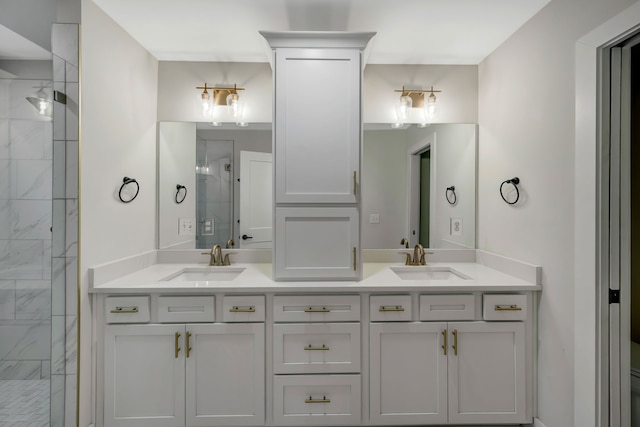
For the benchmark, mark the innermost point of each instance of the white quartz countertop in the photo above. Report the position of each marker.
(377, 277)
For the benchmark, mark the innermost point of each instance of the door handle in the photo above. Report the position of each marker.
(245, 237)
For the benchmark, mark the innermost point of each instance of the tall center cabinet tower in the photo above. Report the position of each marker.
(317, 136)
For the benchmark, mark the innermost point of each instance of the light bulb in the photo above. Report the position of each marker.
(206, 102)
(235, 105)
(403, 108)
(430, 108)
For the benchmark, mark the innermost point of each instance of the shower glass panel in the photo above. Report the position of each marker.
(25, 251)
(214, 192)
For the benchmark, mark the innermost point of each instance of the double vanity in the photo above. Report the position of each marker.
(186, 344)
(319, 330)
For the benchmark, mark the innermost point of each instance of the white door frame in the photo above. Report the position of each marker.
(591, 259)
(413, 155)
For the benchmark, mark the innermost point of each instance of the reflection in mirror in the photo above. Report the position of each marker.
(227, 167)
(406, 173)
(405, 176)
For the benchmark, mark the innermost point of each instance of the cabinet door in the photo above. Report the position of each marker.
(487, 373)
(317, 243)
(225, 374)
(317, 125)
(144, 376)
(408, 373)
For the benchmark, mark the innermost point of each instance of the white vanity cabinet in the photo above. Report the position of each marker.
(317, 125)
(309, 357)
(455, 372)
(193, 374)
(317, 364)
(317, 143)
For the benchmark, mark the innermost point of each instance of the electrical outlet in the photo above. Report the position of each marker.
(456, 226)
(186, 226)
(374, 219)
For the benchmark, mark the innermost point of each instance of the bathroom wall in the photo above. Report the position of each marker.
(457, 103)
(527, 121)
(119, 93)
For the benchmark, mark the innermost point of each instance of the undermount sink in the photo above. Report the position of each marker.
(423, 272)
(208, 274)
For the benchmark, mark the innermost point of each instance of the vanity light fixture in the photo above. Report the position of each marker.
(414, 98)
(221, 96)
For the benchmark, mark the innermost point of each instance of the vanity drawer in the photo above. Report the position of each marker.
(390, 308)
(127, 309)
(175, 309)
(243, 308)
(316, 400)
(316, 308)
(447, 307)
(316, 348)
(504, 307)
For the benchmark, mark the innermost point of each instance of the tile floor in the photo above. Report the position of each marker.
(24, 403)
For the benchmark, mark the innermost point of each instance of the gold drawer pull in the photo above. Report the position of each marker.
(119, 310)
(317, 310)
(508, 308)
(391, 308)
(310, 347)
(237, 309)
(312, 400)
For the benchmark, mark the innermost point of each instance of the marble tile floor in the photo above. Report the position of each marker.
(24, 403)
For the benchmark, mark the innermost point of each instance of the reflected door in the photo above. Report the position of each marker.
(256, 200)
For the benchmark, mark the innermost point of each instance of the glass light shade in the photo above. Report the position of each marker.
(403, 108)
(430, 109)
(235, 106)
(206, 106)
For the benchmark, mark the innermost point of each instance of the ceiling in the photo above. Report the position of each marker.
(408, 31)
(14, 46)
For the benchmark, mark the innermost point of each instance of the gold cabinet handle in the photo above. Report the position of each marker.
(512, 307)
(391, 308)
(355, 259)
(323, 348)
(236, 309)
(355, 183)
(317, 310)
(455, 342)
(119, 310)
(187, 344)
(444, 346)
(312, 400)
(177, 344)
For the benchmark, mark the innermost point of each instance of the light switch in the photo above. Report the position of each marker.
(374, 219)
(186, 226)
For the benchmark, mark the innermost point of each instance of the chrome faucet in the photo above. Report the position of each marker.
(216, 256)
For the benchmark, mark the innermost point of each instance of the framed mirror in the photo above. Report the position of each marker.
(417, 183)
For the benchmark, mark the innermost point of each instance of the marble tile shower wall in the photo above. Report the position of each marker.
(64, 248)
(25, 237)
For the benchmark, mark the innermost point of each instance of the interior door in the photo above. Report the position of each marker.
(621, 246)
(256, 200)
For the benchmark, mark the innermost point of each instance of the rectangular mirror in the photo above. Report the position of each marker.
(228, 178)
